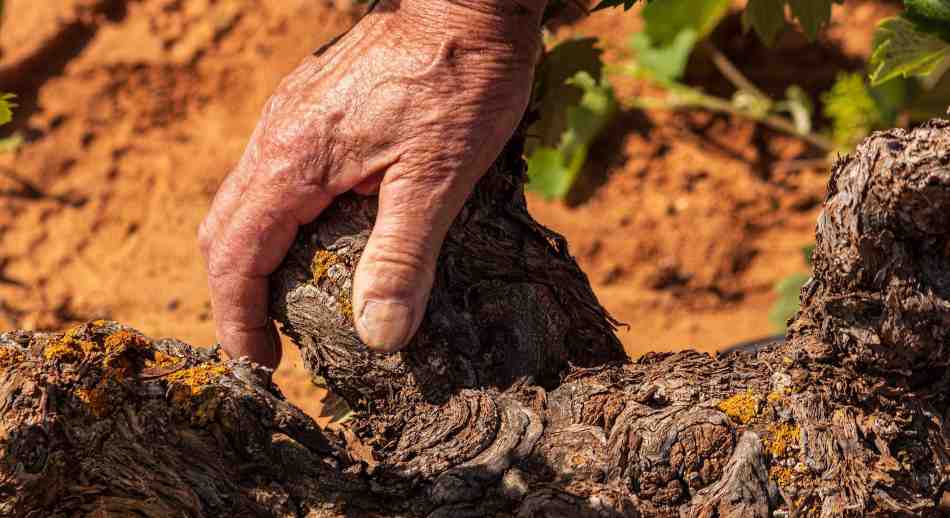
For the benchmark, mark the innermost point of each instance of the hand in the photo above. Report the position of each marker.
(415, 102)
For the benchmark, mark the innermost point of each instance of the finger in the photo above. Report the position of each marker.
(228, 197)
(394, 276)
(248, 249)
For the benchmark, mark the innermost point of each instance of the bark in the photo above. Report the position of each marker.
(515, 398)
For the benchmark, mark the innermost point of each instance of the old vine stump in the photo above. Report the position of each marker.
(515, 399)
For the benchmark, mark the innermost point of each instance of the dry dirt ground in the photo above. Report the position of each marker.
(133, 111)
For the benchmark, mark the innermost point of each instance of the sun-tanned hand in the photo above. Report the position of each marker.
(415, 102)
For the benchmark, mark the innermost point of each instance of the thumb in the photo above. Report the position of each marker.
(394, 276)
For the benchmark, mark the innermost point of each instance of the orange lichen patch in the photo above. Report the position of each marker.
(322, 262)
(162, 361)
(781, 475)
(96, 399)
(196, 378)
(346, 307)
(117, 345)
(9, 357)
(782, 437)
(775, 397)
(742, 407)
(68, 349)
(123, 340)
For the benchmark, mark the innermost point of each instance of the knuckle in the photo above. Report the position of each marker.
(401, 256)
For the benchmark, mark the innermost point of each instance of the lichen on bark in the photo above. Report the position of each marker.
(515, 399)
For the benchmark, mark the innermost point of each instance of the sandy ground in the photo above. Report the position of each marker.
(133, 111)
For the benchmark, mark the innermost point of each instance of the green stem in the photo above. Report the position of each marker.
(732, 73)
(689, 98)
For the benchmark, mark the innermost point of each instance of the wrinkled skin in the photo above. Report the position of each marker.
(415, 102)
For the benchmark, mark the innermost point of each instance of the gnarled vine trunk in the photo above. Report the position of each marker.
(515, 398)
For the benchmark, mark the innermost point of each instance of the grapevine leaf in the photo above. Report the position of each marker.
(808, 251)
(767, 17)
(788, 291)
(667, 19)
(588, 119)
(811, 14)
(11, 143)
(901, 50)
(936, 10)
(857, 108)
(553, 93)
(6, 108)
(552, 171)
(664, 64)
(549, 176)
(604, 4)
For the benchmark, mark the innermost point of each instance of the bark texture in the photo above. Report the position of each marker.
(515, 399)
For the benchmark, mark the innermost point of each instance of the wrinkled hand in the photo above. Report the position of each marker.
(415, 102)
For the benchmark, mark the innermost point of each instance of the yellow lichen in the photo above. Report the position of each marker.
(124, 340)
(186, 384)
(322, 261)
(68, 349)
(346, 307)
(196, 378)
(9, 357)
(775, 396)
(781, 475)
(117, 345)
(742, 407)
(781, 438)
(96, 399)
(162, 361)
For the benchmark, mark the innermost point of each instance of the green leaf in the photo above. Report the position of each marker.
(665, 20)
(548, 175)
(855, 112)
(553, 171)
(811, 14)
(788, 290)
(604, 4)
(11, 143)
(587, 120)
(902, 50)
(664, 64)
(937, 10)
(6, 108)
(767, 17)
(553, 93)
(809, 252)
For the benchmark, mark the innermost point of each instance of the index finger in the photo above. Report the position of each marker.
(247, 247)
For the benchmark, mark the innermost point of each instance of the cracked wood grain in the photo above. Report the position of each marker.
(515, 398)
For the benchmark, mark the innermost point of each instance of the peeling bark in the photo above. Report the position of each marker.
(515, 399)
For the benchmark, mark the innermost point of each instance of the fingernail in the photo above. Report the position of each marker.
(385, 325)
